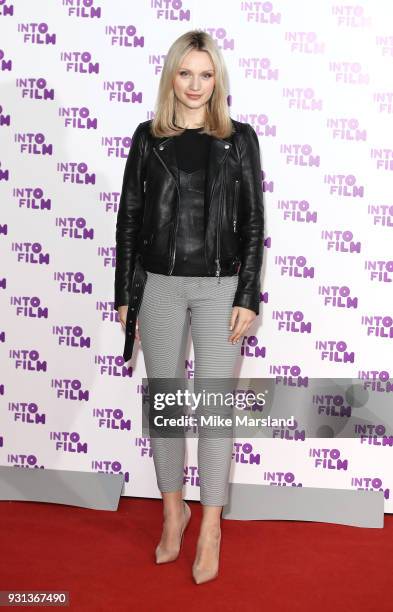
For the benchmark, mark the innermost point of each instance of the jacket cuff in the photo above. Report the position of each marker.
(247, 300)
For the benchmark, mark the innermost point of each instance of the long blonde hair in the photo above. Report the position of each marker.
(217, 119)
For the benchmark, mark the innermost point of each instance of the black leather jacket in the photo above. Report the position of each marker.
(148, 214)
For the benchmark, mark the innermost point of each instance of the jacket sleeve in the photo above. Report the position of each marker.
(129, 219)
(252, 225)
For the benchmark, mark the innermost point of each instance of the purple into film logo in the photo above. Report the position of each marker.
(191, 475)
(381, 214)
(221, 38)
(74, 227)
(379, 270)
(383, 101)
(33, 144)
(304, 42)
(105, 466)
(343, 128)
(24, 412)
(105, 307)
(341, 241)
(288, 375)
(69, 389)
(376, 380)
(73, 282)
(281, 479)
(111, 200)
(144, 446)
(82, 8)
(351, 16)
(4, 119)
(383, 157)
(334, 351)
(108, 255)
(6, 9)
(76, 172)
(299, 155)
(30, 252)
(343, 185)
(31, 198)
(332, 405)
(373, 434)
(28, 359)
(290, 432)
(349, 73)
(113, 365)
(124, 36)
(109, 418)
(170, 10)
(243, 453)
(250, 348)
(36, 33)
(5, 64)
(260, 123)
(378, 326)
(4, 174)
(338, 297)
(35, 88)
(262, 12)
(68, 442)
(71, 335)
(24, 461)
(328, 459)
(29, 306)
(116, 146)
(258, 68)
(291, 321)
(79, 62)
(294, 265)
(365, 483)
(78, 117)
(123, 91)
(297, 211)
(302, 99)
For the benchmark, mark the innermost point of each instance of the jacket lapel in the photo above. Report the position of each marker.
(219, 149)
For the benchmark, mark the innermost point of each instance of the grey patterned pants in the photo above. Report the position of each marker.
(167, 305)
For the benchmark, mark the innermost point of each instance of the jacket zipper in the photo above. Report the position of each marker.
(218, 267)
(235, 204)
(173, 245)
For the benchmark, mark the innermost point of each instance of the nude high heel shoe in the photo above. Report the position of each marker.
(204, 575)
(164, 555)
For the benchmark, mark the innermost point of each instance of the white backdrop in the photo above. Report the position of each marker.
(314, 80)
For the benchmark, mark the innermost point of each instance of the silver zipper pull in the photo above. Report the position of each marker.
(218, 268)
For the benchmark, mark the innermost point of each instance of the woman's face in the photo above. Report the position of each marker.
(194, 76)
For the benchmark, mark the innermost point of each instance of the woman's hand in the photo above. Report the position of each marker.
(122, 310)
(241, 319)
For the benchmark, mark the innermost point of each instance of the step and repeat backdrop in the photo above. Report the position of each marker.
(314, 80)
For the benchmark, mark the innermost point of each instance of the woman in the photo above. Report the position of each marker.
(189, 244)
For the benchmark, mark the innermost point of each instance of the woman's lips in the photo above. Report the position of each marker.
(194, 96)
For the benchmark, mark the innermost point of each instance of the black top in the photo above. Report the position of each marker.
(192, 149)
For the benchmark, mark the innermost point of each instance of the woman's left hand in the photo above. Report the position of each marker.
(241, 320)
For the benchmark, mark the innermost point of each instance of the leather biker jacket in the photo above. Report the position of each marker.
(149, 209)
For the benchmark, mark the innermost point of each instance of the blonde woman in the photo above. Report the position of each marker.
(189, 244)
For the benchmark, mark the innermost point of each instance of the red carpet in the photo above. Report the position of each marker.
(105, 560)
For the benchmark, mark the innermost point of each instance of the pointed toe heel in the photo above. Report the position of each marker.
(163, 555)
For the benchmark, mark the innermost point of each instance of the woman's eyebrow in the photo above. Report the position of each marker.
(206, 70)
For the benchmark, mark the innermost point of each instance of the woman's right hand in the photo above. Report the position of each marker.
(122, 310)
